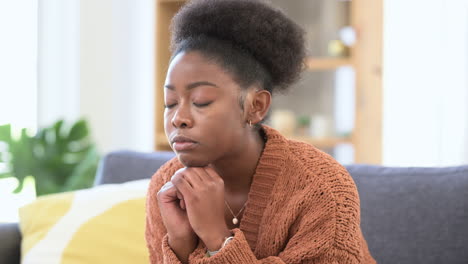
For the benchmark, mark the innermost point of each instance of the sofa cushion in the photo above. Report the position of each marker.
(414, 215)
(9, 243)
(104, 224)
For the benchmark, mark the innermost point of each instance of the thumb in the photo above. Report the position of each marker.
(181, 200)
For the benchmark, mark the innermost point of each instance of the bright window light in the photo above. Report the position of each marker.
(18, 89)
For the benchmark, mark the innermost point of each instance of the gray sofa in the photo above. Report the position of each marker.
(409, 215)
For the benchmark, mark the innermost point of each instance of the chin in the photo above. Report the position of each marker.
(190, 160)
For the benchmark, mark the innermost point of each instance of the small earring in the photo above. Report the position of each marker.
(250, 123)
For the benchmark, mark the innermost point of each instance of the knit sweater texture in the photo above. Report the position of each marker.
(303, 207)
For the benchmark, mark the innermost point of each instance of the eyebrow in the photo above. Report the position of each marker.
(192, 85)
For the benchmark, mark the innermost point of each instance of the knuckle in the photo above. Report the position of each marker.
(207, 188)
(179, 173)
(160, 194)
(176, 178)
(220, 181)
(211, 184)
(163, 188)
(187, 175)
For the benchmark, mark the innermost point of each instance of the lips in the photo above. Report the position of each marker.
(182, 143)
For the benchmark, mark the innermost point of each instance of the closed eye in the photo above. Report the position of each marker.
(169, 106)
(202, 105)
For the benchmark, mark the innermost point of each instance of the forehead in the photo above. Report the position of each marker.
(194, 67)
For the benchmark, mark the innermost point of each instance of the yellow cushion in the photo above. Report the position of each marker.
(104, 224)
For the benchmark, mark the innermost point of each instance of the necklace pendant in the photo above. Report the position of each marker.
(235, 220)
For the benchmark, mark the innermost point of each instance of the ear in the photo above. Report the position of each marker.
(259, 104)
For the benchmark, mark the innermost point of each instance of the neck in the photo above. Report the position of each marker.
(238, 170)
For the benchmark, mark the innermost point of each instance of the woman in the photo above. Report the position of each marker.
(238, 191)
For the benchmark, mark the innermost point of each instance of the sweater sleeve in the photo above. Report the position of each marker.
(238, 251)
(155, 229)
(155, 233)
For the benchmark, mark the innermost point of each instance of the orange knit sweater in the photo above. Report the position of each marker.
(303, 207)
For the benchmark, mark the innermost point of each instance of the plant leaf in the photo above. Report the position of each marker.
(5, 133)
(78, 131)
(84, 173)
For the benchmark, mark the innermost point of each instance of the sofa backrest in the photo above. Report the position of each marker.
(123, 166)
(414, 215)
(408, 215)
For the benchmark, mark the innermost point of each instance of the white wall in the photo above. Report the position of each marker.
(133, 73)
(96, 90)
(18, 89)
(425, 82)
(58, 61)
(97, 62)
(18, 58)
(116, 72)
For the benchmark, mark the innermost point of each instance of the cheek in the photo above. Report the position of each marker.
(223, 116)
(168, 129)
(167, 121)
(223, 125)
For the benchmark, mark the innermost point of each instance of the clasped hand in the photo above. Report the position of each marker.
(192, 205)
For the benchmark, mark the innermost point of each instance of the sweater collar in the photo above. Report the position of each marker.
(268, 168)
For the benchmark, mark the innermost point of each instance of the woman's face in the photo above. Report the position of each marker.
(203, 120)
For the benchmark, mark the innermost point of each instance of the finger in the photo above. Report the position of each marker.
(212, 173)
(181, 200)
(166, 186)
(179, 175)
(180, 196)
(182, 186)
(182, 204)
(168, 193)
(200, 175)
(192, 176)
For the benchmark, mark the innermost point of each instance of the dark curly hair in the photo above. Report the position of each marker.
(253, 41)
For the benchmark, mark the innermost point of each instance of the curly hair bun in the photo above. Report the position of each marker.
(252, 25)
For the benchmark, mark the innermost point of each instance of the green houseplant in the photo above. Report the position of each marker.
(61, 157)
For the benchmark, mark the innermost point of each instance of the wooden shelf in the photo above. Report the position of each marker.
(322, 64)
(161, 142)
(328, 142)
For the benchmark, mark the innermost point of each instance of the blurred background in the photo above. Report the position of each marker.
(386, 83)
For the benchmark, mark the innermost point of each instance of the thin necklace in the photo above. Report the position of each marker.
(235, 220)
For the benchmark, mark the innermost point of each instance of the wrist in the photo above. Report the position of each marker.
(215, 241)
(183, 247)
(182, 242)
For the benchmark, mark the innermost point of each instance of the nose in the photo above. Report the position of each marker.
(182, 118)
